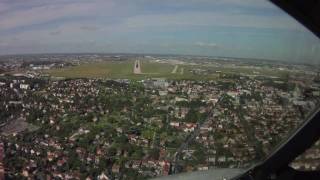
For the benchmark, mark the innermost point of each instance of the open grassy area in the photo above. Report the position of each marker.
(249, 71)
(124, 70)
(94, 70)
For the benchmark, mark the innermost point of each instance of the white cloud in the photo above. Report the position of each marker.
(4, 7)
(124, 22)
(54, 33)
(89, 28)
(212, 3)
(47, 13)
(85, 30)
(3, 44)
(42, 11)
(203, 44)
(214, 19)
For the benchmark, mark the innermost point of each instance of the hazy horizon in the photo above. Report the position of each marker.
(223, 28)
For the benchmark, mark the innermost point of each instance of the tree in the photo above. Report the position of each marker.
(154, 153)
(138, 153)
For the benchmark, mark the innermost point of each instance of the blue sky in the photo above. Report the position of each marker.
(233, 28)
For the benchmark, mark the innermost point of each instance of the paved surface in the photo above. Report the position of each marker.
(175, 69)
(137, 67)
(185, 144)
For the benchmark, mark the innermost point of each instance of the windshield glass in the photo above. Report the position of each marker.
(124, 89)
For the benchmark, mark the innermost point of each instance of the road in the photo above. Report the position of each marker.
(175, 69)
(182, 70)
(189, 138)
(249, 129)
(137, 67)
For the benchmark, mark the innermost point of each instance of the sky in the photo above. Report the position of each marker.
(228, 28)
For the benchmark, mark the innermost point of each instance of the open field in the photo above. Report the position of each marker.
(124, 69)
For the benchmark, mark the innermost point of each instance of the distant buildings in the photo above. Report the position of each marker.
(156, 83)
(107, 129)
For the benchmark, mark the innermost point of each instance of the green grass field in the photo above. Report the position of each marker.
(95, 70)
(124, 70)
